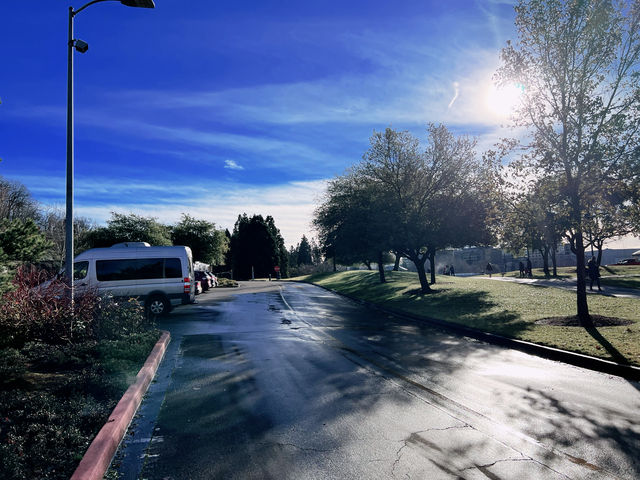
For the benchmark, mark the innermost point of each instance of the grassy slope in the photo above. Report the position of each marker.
(500, 307)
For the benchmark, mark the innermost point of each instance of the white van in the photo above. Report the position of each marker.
(161, 277)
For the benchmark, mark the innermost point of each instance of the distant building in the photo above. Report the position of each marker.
(473, 260)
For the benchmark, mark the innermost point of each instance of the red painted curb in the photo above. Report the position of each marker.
(98, 456)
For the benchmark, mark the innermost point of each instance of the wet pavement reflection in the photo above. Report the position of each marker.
(285, 380)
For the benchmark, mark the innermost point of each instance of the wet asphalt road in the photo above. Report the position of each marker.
(289, 381)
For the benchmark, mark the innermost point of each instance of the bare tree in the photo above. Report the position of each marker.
(578, 64)
(52, 224)
(16, 202)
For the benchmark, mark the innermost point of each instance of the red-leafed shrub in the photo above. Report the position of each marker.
(38, 308)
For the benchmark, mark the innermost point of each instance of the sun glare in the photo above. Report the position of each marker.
(502, 101)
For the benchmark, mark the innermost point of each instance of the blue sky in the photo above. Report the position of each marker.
(219, 108)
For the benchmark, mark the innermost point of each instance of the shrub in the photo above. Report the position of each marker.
(38, 309)
(117, 319)
(225, 282)
(37, 426)
(12, 366)
(62, 368)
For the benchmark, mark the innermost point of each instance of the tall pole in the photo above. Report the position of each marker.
(68, 240)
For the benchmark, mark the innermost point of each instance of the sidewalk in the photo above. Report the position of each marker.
(570, 284)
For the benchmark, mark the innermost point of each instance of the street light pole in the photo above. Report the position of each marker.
(68, 239)
(81, 47)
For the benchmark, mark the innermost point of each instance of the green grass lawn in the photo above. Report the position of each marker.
(505, 308)
(627, 276)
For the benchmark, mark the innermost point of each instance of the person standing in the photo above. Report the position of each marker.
(521, 266)
(529, 268)
(489, 269)
(593, 270)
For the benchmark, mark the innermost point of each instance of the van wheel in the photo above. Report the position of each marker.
(157, 305)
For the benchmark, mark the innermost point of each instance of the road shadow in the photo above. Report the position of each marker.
(278, 398)
(573, 426)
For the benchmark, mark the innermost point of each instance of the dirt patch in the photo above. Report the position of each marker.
(573, 321)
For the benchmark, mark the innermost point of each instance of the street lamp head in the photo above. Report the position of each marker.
(81, 45)
(138, 3)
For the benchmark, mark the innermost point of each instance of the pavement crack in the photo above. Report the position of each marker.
(489, 465)
(484, 468)
(550, 468)
(453, 427)
(297, 447)
(398, 458)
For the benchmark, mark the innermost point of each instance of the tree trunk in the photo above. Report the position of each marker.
(581, 287)
(432, 265)
(545, 260)
(419, 263)
(554, 262)
(334, 264)
(368, 264)
(381, 267)
(599, 246)
(396, 265)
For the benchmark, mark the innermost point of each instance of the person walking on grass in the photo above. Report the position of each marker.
(521, 266)
(489, 269)
(594, 273)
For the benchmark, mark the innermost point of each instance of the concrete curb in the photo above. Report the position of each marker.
(585, 361)
(98, 456)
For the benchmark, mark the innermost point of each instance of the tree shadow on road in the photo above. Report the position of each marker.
(587, 435)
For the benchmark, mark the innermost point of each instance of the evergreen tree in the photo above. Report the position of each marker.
(304, 252)
(257, 246)
(22, 240)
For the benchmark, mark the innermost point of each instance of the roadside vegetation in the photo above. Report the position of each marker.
(513, 310)
(226, 283)
(574, 181)
(61, 374)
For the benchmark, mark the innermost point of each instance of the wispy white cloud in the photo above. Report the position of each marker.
(407, 95)
(456, 87)
(232, 165)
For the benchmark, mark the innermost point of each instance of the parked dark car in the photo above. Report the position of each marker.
(629, 261)
(204, 279)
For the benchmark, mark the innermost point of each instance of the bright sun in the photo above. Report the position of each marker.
(502, 101)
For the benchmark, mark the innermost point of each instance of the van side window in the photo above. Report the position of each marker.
(137, 269)
(80, 270)
(172, 268)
